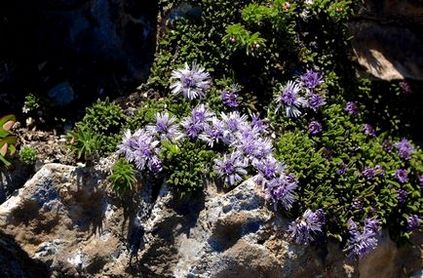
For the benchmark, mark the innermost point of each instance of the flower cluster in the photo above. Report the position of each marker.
(362, 242)
(307, 226)
(370, 173)
(352, 108)
(413, 222)
(230, 97)
(142, 149)
(404, 148)
(192, 82)
(401, 175)
(301, 94)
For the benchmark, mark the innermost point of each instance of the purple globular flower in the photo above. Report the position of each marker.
(233, 123)
(342, 168)
(165, 127)
(362, 242)
(402, 196)
(311, 79)
(231, 168)
(291, 100)
(314, 128)
(413, 222)
(315, 101)
(191, 82)
(352, 108)
(202, 114)
(198, 121)
(192, 128)
(369, 173)
(213, 133)
(280, 190)
(142, 149)
(269, 167)
(404, 149)
(258, 123)
(369, 130)
(230, 98)
(401, 175)
(305, 228)
(254, 147)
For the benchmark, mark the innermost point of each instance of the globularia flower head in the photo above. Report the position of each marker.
(202, 114)
(258, 124)
(191, 82)
(401, 175)
(421, 179)
(198, 121)
(166, 127)
(369, 173)
(314, 128)
(362, 242)
(413, 222)
(405, 149)
(351, 108)
(230, 97)
(369, 130)
(291, 100)
(280, 190)
(142, 149)
(234, 121)
(311, 79)
(315, 101)
(231, 168)
(402, 196)
(213, 133)
(305, 228)
(342, 168)
(269, 167)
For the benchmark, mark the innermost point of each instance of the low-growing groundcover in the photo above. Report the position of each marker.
(266, 91)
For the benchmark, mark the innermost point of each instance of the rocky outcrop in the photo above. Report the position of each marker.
(387, 41)
(64, 218)
(15, 263)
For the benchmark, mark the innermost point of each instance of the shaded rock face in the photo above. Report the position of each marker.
(95, 46)
(387, 39)
(15, 263)
(64, 219)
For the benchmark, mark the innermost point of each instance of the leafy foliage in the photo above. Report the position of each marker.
(28, 155)
(85, 144)
(100, 129)
(187, 167)
(330, 168)
(7, 141)
(123, 177)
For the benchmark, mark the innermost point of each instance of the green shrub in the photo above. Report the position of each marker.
(187, 167)
(86, 144)
(103, 121)
(123, 177)
(28, 155)
(317, 160)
